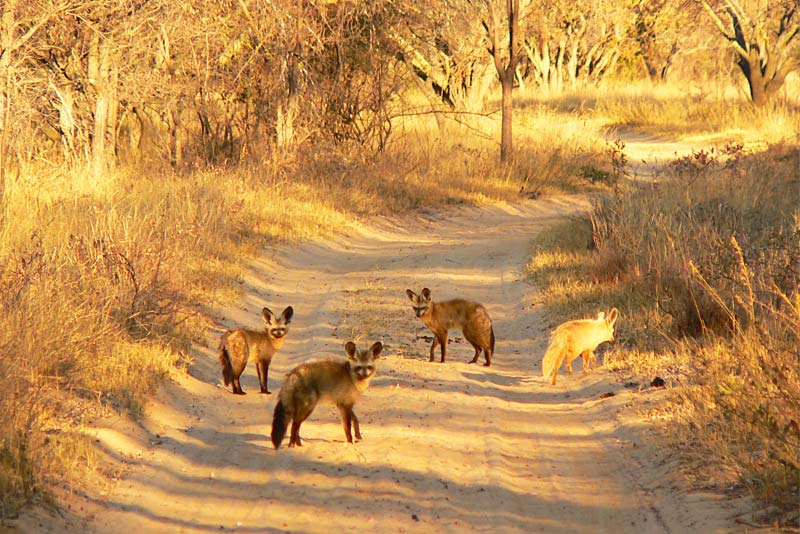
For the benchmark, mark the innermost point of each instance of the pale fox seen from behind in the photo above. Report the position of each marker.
(339, 382)
(239, 346)
(577, 338)
(471, 317)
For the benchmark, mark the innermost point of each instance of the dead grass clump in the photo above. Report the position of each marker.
(94, 312)
(744, 404)
(716, 248)
(705, 268)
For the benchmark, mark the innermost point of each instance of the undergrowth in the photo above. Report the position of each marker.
(705, 269)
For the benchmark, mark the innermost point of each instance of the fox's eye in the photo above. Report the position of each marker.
(370, 368)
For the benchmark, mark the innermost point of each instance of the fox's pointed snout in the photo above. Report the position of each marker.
(363, 374)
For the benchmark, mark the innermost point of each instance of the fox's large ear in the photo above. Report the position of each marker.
(426, 293)
(376, 349)
(410, 294)
(287, 315)
(612, 316)
(350, 350)
(601, 316)
(267, 314)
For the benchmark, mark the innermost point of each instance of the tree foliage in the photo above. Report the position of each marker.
(111, 82)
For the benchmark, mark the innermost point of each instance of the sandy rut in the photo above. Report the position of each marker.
(447, 447)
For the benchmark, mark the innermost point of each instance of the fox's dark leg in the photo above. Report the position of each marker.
(477, 350)
(301, 414)
(433, 346)
(355, 424)
(443, 343)
(237, 387)
(347, 422)
(263, 369)
(487, 354)
(294, 438)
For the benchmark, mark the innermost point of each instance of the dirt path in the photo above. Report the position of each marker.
(647, 154)
(447, 447)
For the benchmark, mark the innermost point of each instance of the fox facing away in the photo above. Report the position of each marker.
(339, 382)
(238, 346)
(471, 317)
(577, 338)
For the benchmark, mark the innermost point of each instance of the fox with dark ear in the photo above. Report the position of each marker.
(239, 346)
(471, 317)
(340, 382)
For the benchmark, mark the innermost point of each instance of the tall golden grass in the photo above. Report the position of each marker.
(705, 267)
(105, 282)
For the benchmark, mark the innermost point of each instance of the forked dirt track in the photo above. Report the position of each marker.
(447, 447)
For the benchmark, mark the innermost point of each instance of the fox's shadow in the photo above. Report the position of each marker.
(496, 379)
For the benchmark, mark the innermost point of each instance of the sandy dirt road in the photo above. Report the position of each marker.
(447, 447)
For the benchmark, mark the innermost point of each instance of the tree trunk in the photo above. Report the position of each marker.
(285, 123)
(572, 65)
(6, 40)
(755, 81)
(288, 110)
(762, 86)
(66, 119)
(5, 108)
(539, 58)
(545, 65)
(113, 112)
(175, 137)
(506, 141)
(505, 68)
(99, 78)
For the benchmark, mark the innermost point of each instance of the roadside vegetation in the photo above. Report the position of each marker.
(704, 265)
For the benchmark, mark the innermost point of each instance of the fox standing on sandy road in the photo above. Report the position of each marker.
(577, 338)
(238, 346)
(471, 317)
(340, 382)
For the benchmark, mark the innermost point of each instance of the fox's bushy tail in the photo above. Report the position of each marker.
(280, 422)
(225, 361)
(491, 339)
(555, 355)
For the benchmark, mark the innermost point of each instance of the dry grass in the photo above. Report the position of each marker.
(705, 268)
(104, 282)
(689, 113)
